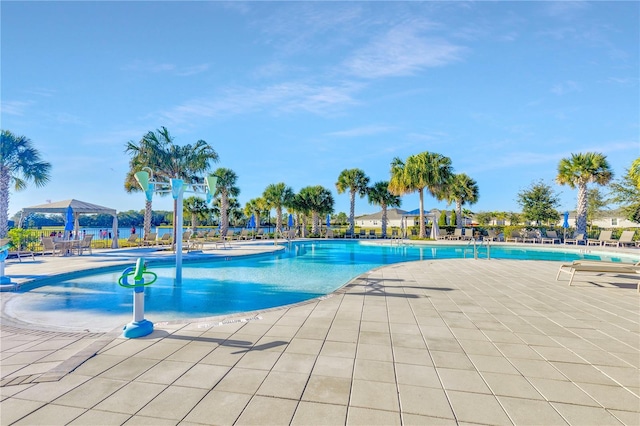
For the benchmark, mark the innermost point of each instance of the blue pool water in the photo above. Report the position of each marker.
(304, 271)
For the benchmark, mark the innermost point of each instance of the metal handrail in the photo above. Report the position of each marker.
(477, 247)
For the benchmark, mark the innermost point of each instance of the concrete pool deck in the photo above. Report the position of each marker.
(457, 341)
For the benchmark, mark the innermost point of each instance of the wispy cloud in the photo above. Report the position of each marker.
(401, 51)
(14, 107)
(361, 131)
(565, 88)
(279, 98)
(155, 67)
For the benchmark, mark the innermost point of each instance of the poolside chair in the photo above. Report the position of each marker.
(244, 235)
(132, 241)
(149, 239)
(599, 267)
(372, 234)
(291, 234)
(329, 233)
(230, 235)
(457, 234)
(603, 239)
(84, 244)
(492, 235)
(349, 234)
(49, 246)
(551, 237)
(579, 238)
(165, 240)
(625, 239)
(362, 234)
(261, 235)
(395, 234)
(515, 237)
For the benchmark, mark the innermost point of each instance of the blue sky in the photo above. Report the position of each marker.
(296, 92)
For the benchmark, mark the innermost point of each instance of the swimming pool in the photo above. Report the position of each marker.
(303, 271)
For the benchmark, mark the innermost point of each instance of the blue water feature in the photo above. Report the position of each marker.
(303, 271)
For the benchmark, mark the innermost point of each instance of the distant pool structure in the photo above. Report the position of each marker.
(220, 286)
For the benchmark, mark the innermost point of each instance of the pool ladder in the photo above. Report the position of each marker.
(477, 246)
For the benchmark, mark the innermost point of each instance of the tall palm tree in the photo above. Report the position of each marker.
(318, 201)
(256, 207)
(379, 195)
(225, 188)
(422, 171)
(197, 208)
(158, 151)
(19, 163)
(356, 181)
(578, 171)
(277, 196)
(461, 189)
(634, 172)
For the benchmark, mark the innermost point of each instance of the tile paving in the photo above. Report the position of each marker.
(457, 341)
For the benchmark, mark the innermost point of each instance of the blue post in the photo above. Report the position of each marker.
(139, 327)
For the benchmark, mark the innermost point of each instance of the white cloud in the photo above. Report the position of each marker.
(14, 107)
(400, 52)
(155, 67)
(361, 131)
(284, 97)
(566, 87)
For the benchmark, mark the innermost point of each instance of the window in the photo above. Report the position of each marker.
(614, 221)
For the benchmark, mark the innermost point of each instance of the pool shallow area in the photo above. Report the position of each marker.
(222, 286)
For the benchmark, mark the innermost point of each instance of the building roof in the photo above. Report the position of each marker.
(392, 214)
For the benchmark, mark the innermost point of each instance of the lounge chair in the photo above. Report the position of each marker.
(372, 234)
(245, 235)
(625, 239)
(261, 235)
(515, 237)
(457, 234)
(467, 234)
(132, 241)
(603, 239)
(551, 237)
(165, 240)
(362, 234)
(599, 267)
(349, 234)
(230, 235)
(492, 235)
(579, 238)
(149, 239)
(291, 233)
(329, 233)
(395, 234)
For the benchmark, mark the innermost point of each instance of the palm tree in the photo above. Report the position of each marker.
(19, 163)
(461, 189)
(379, 195)
(316, 200)
(578, 171)
(278, 195)
(158, 151)
(634, 172)
(197, 208)
(256, 207)
(425, 170)
(356, 181)
(225, 188)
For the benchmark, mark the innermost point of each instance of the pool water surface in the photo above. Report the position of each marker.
(303, 271)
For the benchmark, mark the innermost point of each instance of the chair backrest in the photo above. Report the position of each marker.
(186, 235)
(47, 243)
(579, 237)
(372, 232)
(627, 236)
(457, 232)
(166, 237)
(551, 234)
(151, 236)
(133, 238)
(363, 232)
(605, 235)
(394, 232)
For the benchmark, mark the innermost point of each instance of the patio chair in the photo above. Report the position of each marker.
(132, 241)
(245, 235)
(372, 234)
(492, 235)
(579, 238)
(599, 267)
(291, 233)
(514, 237)
(551, 237)
(84, 244)
(349, 234)
(329, 233)
(165, 240)
(230, 235)
(457, 234)
(603, 239)
(49, 246)
(260, 234)
(362, 234)
(625, 239)
(149, 239)
(467, 234)
(395, 234)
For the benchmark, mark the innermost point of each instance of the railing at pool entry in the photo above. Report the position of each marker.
(477, 246)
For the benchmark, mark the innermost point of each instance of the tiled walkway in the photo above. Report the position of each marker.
(430, 342)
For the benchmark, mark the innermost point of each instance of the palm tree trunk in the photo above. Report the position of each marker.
(279, 219)
(304, 225)
(194, 222)
(224, 214)
(315, 222)
(352, 211)
(423, 233)
(458, 214)
(147, 217)
(581, 209)
(384, 220)
(4, 202)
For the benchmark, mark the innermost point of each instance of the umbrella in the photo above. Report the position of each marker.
(290, 221)
(252, 222)
(68, 226)
(565, 224)
(435, 229)
(328, 221)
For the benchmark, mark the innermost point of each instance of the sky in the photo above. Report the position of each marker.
(297, 92)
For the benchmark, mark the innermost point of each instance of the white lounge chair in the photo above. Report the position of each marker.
(603, 239)
(625, 239)
(598, 267)
(576, 240)
(551, 237)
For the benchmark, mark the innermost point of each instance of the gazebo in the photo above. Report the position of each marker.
(78, 207)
